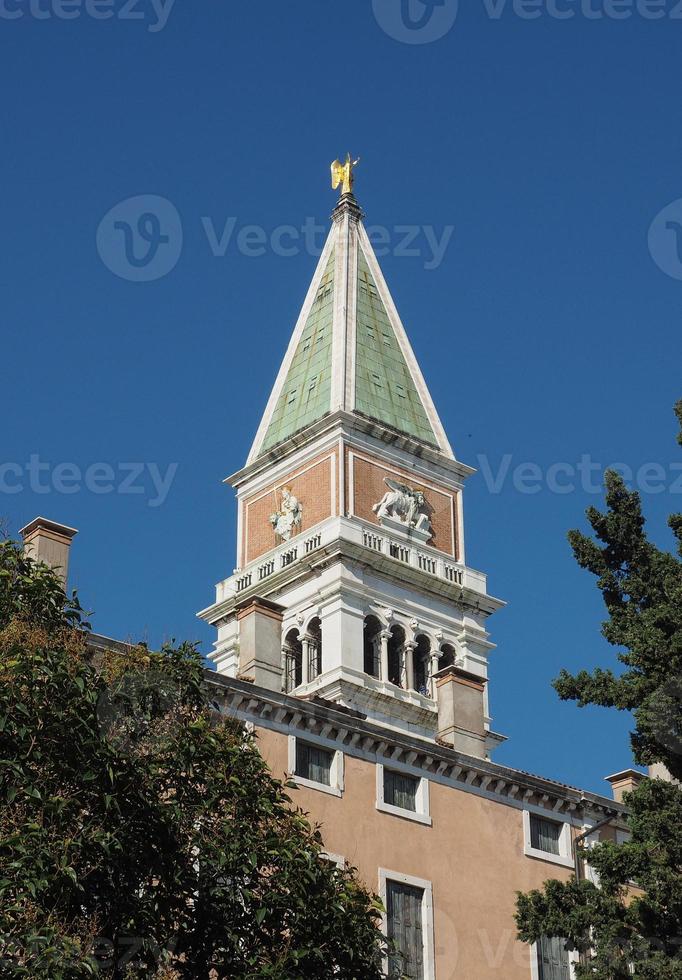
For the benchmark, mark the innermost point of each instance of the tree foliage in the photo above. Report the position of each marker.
(141, 834)
(642, 590)
(619, 931)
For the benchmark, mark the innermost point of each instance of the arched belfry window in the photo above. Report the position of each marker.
(396, 656)
(292, 661)
(448, 656)
(314, 648)
(422, 656)
(372, 646)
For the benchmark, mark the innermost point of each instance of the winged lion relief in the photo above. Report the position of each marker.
(404, 504)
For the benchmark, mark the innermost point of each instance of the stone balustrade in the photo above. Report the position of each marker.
(375, 539)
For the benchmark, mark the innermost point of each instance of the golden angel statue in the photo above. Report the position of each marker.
(342, 174)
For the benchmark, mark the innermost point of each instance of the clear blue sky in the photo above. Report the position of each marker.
(547, 332)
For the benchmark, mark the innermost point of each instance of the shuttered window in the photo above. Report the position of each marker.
(545, 834)
(400, 790)
(314, 763)
(553, 959)
(404, 913)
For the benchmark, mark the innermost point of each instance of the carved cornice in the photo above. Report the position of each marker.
(341, 550)
(354, 736)
(345, 423)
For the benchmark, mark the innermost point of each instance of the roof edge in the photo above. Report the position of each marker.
(244, 693)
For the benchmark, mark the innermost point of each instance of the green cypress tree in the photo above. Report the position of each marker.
(620, 932)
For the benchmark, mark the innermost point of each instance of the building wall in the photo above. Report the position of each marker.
(473, 855)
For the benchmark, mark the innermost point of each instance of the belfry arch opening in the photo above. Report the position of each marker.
(448, 656)
(314, 638)
(396, 654)
(422, 657)
(372, 646)
(292, 656)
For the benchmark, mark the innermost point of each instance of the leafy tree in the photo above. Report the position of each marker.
(30, 592)
(623, 933)
(141, 834)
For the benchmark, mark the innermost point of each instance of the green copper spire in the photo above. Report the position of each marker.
(349, 352)
(305, 395)
(384, 388)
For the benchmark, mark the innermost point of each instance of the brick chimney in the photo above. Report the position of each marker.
(50, 543)
(260, 642)
(659, 771)
(624, 782)
(461, 711)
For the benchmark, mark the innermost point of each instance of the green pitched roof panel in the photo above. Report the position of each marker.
(306, 394)
(384, 389)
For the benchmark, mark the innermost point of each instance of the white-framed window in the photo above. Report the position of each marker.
(315, 764)
(403, 793)
(546, 838)
(336, 859)
(408, 923)
(550, 960)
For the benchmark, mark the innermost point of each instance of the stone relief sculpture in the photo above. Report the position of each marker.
(288, 517)
(404, 504)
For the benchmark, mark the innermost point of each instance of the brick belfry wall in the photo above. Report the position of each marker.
(311, 483)
(367, 479)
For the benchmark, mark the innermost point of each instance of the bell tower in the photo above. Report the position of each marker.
(350, 541)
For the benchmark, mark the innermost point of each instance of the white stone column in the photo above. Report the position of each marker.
(285, 664)
(408, 654)
(434, 661)
(310, 648)
(384, 637)
(305, 659)
(376, 655)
